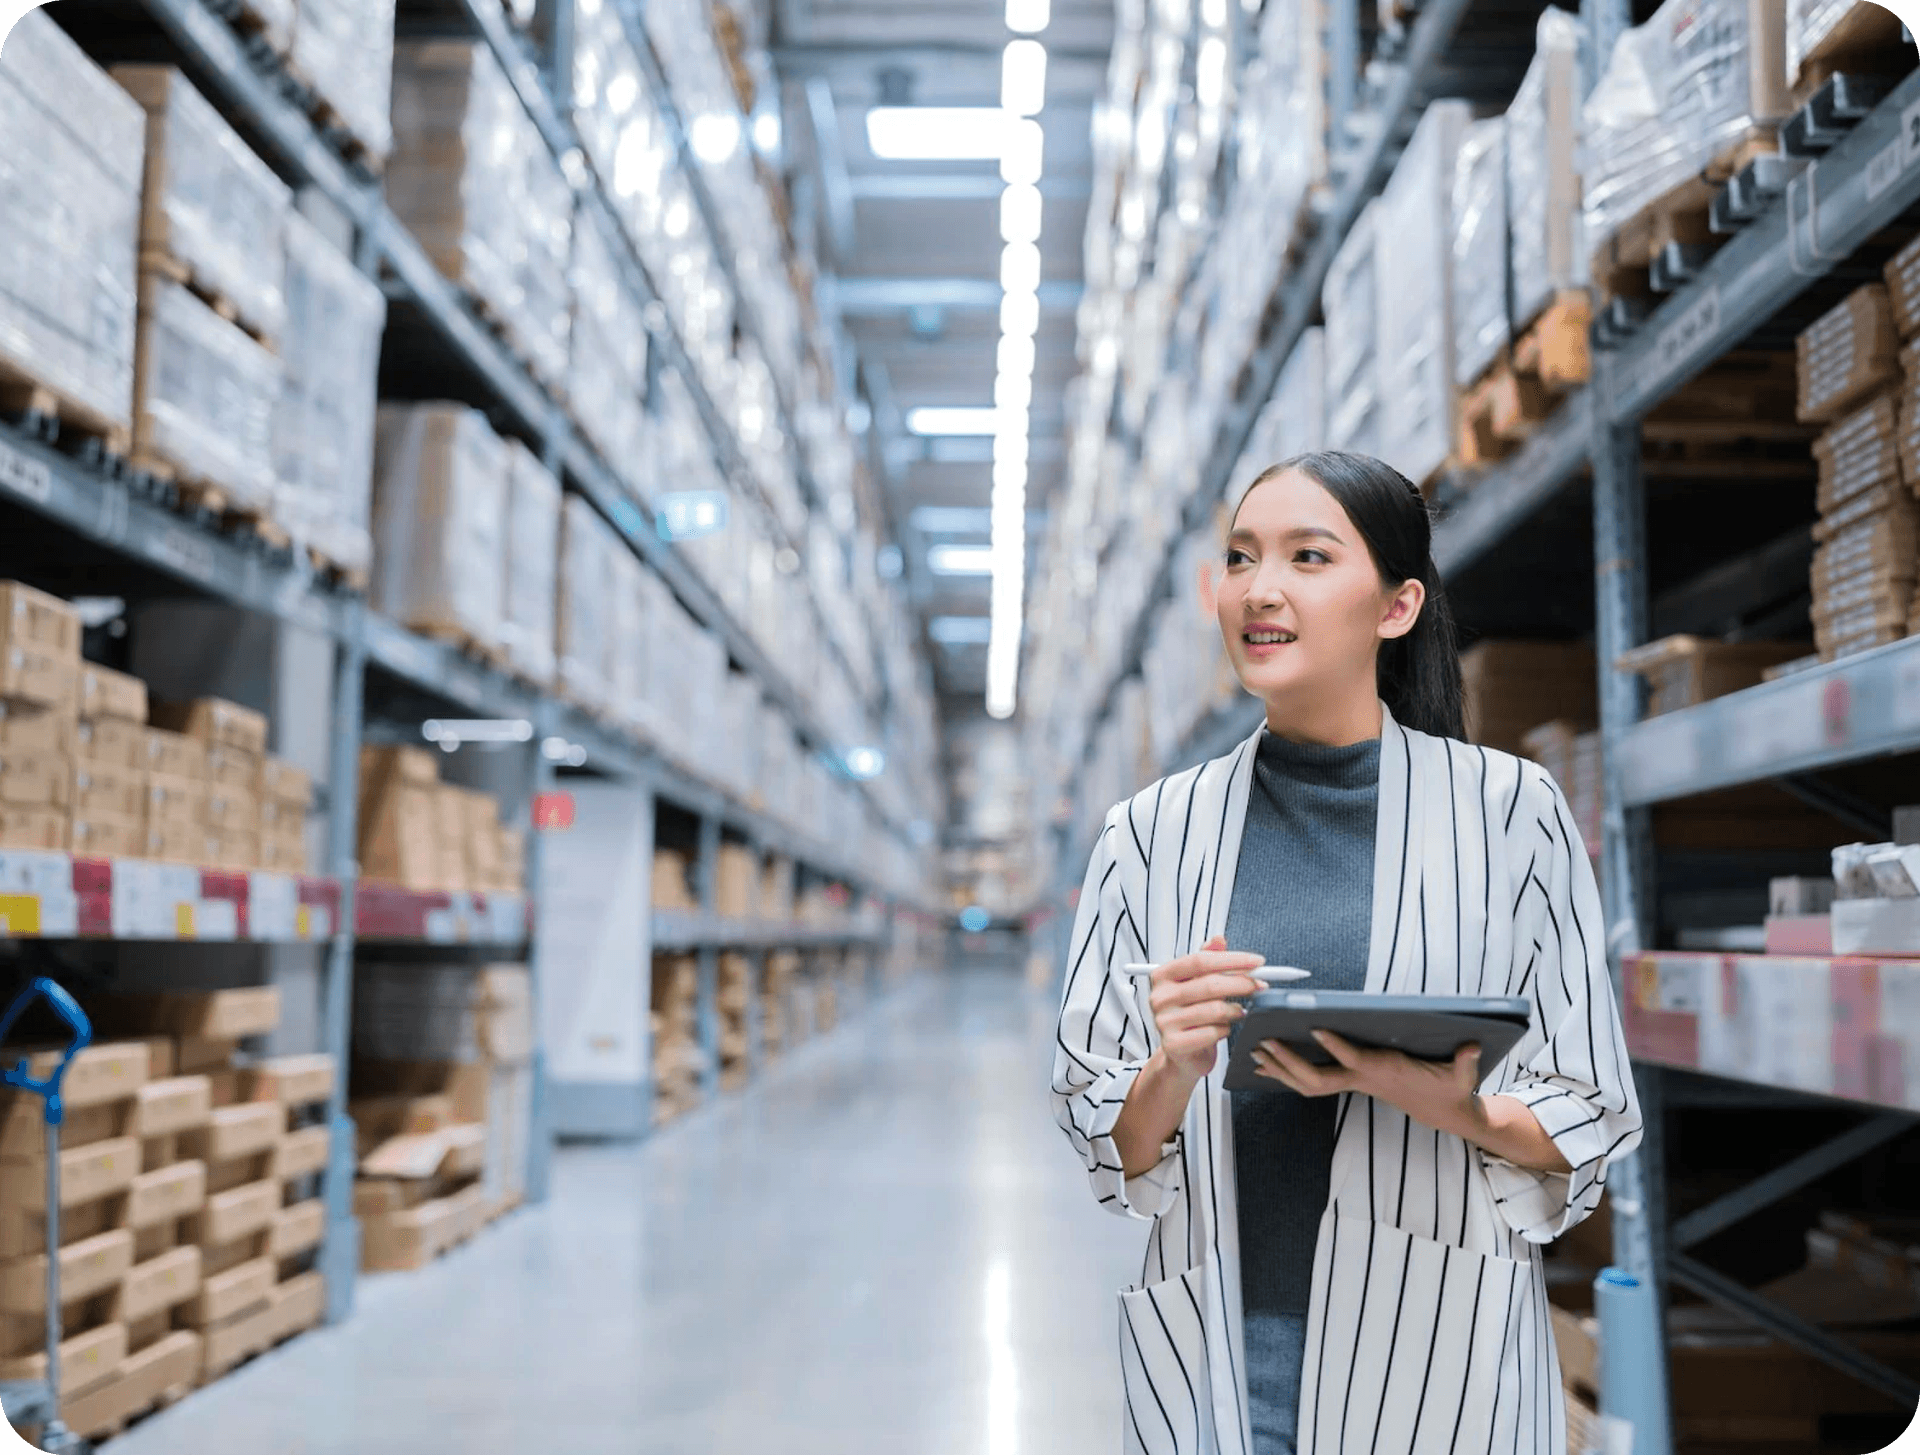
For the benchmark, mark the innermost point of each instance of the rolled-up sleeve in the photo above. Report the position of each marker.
(1102, 1041)
(1578, 1081)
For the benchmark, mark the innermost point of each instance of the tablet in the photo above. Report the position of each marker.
(1430, 1027)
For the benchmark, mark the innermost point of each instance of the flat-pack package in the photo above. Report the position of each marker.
(70, 188)
(323, 423)
(584, 625)
(472, 179)
(1481, 328)
(1847, 353)
(1350, 302)
(213, 210)
(1548, 253)
(439, 520)
(528, 595)
(344, 49)
(205, 393)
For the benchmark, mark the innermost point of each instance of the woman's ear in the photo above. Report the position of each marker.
(1403, 609)
(1209, 598)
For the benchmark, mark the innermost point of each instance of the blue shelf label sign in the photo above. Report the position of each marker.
(685, 514)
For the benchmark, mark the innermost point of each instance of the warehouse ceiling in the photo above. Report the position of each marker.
(912, 252)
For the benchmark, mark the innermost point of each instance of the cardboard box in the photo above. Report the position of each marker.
(86, 1173)
(234, 1291)
(112, 742)
(106, 1071)
(212, 720)
(176, 843)
(283, 854)
(174, 755)
(86, 1359)
(30, 728)
(170, 1105)
(736, 877)
(171, 800)
(105, 693)
(166, 1194)
(96, 836)
(450, 837)
(299, 1303)
(1683, 671)
(36, 782)
(232, 811)
(162, 1282)
(38, 675)
(1847, 353)
(251, 1010)
(506, 1013)
(108, 790)
(233, 768)
(292, 1080)
(281, 781)
(92, 1265)
(244, 1130)
(32, 828)
(205, 1055)
(297, 1228)
(410, 1238)
(299, 1153)
(671, 886)
(36, 618)
(234, 1213)
(1514, 686)
(281, 820)
(399, 832)
(144, 1376)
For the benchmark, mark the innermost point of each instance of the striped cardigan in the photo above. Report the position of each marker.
(1428, 1328)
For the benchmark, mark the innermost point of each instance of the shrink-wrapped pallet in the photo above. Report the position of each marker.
(587, 544)
(344, 49)
(213, 210)
(1828, 36)
(323, 424)
(1294, 421)
(473, 181)
(627, 641)
(439, 521)
(606, 375)
(1547, 251)
(1678, 94)
(621, 128)
(70, 179)
(1481, 328)
(204, 397)
(532, 557)
(1349, 302)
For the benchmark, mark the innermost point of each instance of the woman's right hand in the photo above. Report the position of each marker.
(1193, 1005)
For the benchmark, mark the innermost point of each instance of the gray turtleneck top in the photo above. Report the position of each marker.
(1302, 895)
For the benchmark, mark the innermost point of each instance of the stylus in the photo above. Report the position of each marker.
(1271, 974)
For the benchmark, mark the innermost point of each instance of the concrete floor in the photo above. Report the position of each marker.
(883, 1245)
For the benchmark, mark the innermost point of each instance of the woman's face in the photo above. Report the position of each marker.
(1301, 604)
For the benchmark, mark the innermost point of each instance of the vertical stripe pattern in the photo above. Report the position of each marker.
(1428, 1331)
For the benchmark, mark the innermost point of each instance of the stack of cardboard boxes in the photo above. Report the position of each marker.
(39, 684)
(420, 833)
(1514, 686)
(188, 1212)
(1684, 671)
(443, 1100)
(677, 1062)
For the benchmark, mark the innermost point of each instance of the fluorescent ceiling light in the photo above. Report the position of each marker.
(766, 133)
(1020, 313)
(1014, 355)
(1013, 391)
(1007, 475)
(714, 136)
(1028, 17)
(1020, 213)
(1210, 71)
(1010, 449)
(960, 560)
(1020, 268)
(929, 419)
(1023, 77)
(937, 133)
(1026, 144)
(960, 631)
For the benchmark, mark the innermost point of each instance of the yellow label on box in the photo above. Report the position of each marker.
(302, 922)
(183, 921)
(19, 914)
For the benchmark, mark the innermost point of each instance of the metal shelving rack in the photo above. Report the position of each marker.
(101, 502)
(1820, 718)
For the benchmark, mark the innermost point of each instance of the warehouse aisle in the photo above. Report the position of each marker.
(884, 1245)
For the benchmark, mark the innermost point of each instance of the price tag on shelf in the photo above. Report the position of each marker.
(442, 925)
(553, 811)
(273, 907)
(23, 476)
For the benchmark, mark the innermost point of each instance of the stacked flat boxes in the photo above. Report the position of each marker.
(1512, 686)
(109, 771)
(39, 685)
(422, 834)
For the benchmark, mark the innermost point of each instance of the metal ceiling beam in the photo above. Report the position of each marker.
(830, 161)
(870, 296)
(956, 187)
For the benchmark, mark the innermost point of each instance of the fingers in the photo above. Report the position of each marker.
(1293, 1070)
(1466, 1066)
(1169, 995)
(1206, 962)
(1342, 1050)
(1220, 1013)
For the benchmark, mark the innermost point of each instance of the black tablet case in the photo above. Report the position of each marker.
(1430, 1027)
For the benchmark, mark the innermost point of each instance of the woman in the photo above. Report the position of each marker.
(1349, 1262)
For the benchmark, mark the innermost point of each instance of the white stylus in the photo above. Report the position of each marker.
(1268, 974)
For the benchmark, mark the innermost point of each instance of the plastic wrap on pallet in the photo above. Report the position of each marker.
(1294, 421)
(1349, 302)
(343, 49)
(606, 375)
(1547, 250)
(1838, 31)
(323, 425)
(621, 128)
(205, 396)
(1481, 328)
(532, 558)
(211, 205)
(71, 197)
(627, 639)
(587, 544)
(1677, 93)
(473, 180)
(439, 520)
(1413, 241)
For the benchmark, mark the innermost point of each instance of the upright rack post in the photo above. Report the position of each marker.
(340, 1250)
(540, 1131)
(1634, 1313)
(706, 881)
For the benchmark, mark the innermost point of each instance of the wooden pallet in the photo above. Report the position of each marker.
(1866, 41)
(1623, 264)
(488, 654)
(1549, 359)
(178, 270)
(197, 495)
(55, 416)
(344, 578)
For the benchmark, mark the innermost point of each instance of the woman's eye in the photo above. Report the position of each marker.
(1237, 557)
(1313, 557)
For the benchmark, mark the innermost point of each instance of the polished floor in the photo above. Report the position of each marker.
(883, 1246)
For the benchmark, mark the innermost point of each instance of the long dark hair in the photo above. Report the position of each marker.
(1419, 673)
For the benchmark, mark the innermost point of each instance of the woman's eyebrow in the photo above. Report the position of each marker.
(1293, 533)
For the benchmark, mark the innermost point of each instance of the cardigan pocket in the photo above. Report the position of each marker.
(1163, 1365)
(1423, 1347)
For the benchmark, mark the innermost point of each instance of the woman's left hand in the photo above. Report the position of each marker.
(1435, 1093)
